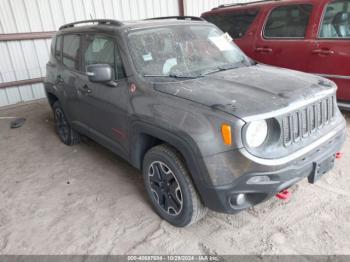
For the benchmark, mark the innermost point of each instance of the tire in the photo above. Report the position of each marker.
(170, 188)
(65, 132)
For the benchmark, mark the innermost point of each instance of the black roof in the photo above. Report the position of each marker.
(112, 24)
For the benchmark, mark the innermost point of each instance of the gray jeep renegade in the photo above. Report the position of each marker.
(176, 98)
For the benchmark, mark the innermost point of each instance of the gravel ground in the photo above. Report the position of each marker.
(56, 199)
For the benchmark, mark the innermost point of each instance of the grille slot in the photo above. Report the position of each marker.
(304, 122)
(296, 126)
(301, 123)
(287, 136)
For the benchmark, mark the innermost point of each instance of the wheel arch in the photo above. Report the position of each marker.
(52, 98)
(145, 136)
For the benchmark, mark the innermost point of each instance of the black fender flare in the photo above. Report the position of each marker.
(181, 142)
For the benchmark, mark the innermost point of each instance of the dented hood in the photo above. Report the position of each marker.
(249, 91)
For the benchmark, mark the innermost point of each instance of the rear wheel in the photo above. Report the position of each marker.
(67, 135)
(170, 188)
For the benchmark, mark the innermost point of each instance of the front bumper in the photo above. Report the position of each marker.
(344, 105)
(223, 198)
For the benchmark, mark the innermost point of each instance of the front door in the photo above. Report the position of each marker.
(108, 101)
(283, 39)
(330, 51)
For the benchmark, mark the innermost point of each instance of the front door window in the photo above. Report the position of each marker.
(288, 21)
(103, 50)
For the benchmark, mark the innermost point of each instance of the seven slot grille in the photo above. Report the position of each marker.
(303, 122)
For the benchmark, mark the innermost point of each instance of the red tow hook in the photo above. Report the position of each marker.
(338, 155)
(284, 195)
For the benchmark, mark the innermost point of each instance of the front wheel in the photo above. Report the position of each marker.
(170, 188)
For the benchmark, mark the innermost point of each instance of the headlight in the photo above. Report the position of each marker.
(256, 133)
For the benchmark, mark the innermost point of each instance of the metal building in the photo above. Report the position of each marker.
(26, 27)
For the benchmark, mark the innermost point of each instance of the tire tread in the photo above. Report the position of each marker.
(199, 210)
(74, 136)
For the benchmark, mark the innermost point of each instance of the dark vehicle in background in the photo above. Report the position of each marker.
(307, 35)
(208, 127)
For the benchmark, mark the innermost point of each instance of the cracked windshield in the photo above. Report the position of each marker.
(183, 51)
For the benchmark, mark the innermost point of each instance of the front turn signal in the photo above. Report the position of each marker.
(226, 134)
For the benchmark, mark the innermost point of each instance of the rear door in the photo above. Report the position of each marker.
(71, 76)
(283, 39)
(240, 24)
(330, 50)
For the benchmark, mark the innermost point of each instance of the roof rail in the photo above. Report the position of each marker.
(193, 18)
(247, 3)
(98, 21)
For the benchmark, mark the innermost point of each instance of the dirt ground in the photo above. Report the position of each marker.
(56, 199)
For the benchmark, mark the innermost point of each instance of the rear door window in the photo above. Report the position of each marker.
(71, 51)
(289, 21)
(236, 23)
(336, 20)
(103, 50)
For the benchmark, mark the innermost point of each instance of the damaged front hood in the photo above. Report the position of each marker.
(248, 91)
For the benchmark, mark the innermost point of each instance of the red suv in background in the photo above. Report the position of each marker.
(306, 35)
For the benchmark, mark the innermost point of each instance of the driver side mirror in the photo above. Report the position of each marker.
(99, 73)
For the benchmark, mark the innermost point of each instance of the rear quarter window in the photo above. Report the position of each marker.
(235, 23)
(53, 44)
(57, 49)
(289, 21)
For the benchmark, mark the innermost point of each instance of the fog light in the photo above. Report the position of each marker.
(259, 180)
(240, 199)
(237, 200)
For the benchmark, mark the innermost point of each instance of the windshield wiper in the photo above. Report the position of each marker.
(219, 68)
(210, 71)
(206, 72)
(170, 75)
(229, 66)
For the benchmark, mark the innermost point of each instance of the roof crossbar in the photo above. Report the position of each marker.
(193, 18)
(97, 21)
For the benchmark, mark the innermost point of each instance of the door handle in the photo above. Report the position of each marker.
(263, 49)
(323, 52)
(59, 79)
(85, 90)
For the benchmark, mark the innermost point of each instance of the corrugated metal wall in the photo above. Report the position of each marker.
(197, 7)
(21, 60)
